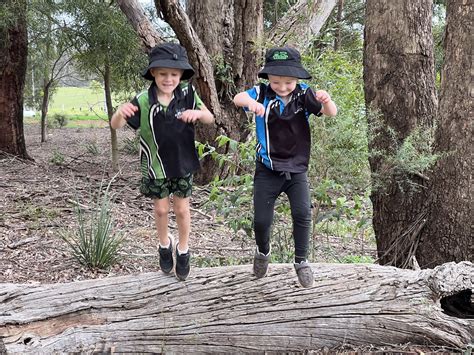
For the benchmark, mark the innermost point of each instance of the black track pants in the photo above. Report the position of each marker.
(268, 185)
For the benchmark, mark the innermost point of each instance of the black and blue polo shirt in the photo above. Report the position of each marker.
(167, 147)
(283, 133)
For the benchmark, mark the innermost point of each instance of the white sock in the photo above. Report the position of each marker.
(167, 245)
(181, 252)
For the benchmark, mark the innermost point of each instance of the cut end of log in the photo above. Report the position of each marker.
(451, 278)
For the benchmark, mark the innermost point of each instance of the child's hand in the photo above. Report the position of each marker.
(189, 116)
(322, 96)
(256, 107)
(127, 110)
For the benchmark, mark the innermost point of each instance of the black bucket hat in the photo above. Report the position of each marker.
(169, 55)
(284, 61)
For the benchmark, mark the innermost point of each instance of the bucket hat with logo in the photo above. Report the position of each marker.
(284, 61)
(169, 55)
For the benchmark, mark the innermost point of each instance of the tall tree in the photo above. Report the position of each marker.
(108, 48)
(49, 55)
(224, 43)
(448, 235)
(401, 99)
(14, 49)
(434, 221)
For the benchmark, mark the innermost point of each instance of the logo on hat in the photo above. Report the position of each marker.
(280, 55)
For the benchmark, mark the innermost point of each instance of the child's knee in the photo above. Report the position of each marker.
(261, 225)
(301, 215)
(181, 211)
(161, 211)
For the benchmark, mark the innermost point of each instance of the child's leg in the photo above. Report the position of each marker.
(266, 189)
(298, 193)
(183, 219)
(161, 210)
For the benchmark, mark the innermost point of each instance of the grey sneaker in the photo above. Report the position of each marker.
(260, 263)
(305, 274)
(166, 257)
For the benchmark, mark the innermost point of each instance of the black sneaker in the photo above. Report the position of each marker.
(166, 257)
(182, 265)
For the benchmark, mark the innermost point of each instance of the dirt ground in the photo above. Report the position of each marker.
(37, 204)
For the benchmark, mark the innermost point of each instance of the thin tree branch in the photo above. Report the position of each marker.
(140, 23)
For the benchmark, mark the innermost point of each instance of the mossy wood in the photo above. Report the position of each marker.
(226, 309)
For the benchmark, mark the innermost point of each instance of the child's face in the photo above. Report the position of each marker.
(166, 79)
(282, 85)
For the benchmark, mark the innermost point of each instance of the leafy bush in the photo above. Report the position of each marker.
(95, 244)
(232, 196)
(60, 120)
(402, 159)
(339, 144)
(57, 158)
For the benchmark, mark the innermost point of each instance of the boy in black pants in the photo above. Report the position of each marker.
(282, 110)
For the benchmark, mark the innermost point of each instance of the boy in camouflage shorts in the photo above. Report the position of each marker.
(166, 114)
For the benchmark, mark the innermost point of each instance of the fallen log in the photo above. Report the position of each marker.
(226, 309)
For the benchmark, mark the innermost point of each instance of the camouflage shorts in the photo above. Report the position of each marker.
(161, 188)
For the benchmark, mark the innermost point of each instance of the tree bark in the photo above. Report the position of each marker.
(400, 96)
(14, 49)
(44, 108)
(448, 235)
(301, 23)
(225, 309)
(110, 112)
(230, 39)
(142, 26)
(337, 35)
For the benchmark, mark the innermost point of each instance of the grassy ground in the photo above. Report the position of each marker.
(81, 107)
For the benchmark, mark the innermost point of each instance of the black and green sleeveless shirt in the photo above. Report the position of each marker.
(167, 148)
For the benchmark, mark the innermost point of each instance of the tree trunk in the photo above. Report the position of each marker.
(301, 23)
(230, 39)
(44, 109)
(337, 35)
(448, 235)
(225, 309)
(14, 49)
(110, 112)
(400, 96)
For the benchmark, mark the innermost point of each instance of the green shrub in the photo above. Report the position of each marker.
(339, 149)
(403, 160)
(60, 120)
(232, 196)
(57, 158)
(95, 244)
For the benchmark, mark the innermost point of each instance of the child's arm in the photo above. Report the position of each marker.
(123, 113)
(243, 99)
(329, 107)
(203, 115)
